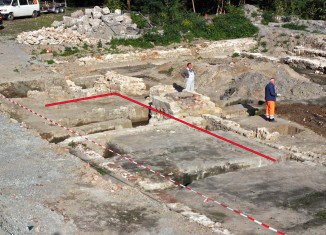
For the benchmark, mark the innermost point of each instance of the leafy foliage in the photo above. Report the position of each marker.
(139, 20)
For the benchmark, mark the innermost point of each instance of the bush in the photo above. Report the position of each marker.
(70, 51)
(187, 26)
(268, 17)
(263, 44)
(50, 61)
(294, 26)
(254, 14)
(235, 54)
(139, 20)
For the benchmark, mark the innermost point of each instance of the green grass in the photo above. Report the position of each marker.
(20, 25)
(50, 61)
(70, 51)
(294, 26)
(235, 54)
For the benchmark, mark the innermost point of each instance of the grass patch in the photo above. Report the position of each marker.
(235, 54)
(268, 17)
(308, 200)
(70, 51)
(264, 50)
(50, 61)
(294, 26)
(139, 20)
(263, 44)
(25, 24)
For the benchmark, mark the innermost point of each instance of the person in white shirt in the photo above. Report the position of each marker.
(189, 75)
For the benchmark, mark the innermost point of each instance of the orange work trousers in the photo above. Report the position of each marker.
(270, 109)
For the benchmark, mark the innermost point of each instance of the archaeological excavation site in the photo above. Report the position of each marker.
(98, 137)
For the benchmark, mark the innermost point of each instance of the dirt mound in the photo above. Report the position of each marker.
(250, 86)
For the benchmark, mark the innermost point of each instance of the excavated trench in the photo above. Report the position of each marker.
(94, 123)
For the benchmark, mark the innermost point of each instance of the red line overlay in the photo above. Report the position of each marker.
(166, 115)
(206, 199)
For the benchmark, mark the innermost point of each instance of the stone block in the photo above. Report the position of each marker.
(106, 11)
(88, 12)
(69, 21)
(77, 14)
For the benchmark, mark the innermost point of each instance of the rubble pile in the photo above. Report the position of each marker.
(54, 36)
(81, 27)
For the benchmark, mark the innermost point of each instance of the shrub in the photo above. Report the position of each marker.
(254, 14)
(187, 26)
(50, 61)
(70, 51)
(235, 54)
(268, 17)
(265, 50)
(263, 44)
(294, 26)
(139, 20)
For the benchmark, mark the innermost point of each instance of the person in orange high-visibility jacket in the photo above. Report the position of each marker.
(270, 98)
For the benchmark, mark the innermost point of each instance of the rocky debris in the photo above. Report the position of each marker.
(252, 12)
(306, 63)
(218, 123)
(183, 104)
(301, 51)
(53, 36)
(263, 134)
(125, 84)
(259, 56)
(207, 49)
(99, 84)
(199, 218)
(312, 25)
(81, 27)
(255, 15)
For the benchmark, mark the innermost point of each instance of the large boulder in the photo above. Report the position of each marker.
(69, 21)
(88, 12)
(106, 11)
(97, 12)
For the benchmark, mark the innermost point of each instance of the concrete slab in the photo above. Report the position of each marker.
(187, 154)
(283, 126)
(288, 196)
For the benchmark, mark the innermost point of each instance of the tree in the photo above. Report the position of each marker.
(193, 6)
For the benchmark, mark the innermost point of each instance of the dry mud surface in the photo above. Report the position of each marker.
(311, 116)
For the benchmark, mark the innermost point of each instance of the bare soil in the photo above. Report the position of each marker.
(310, 116)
